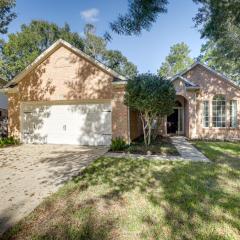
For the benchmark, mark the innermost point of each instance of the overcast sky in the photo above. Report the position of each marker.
(146, 51)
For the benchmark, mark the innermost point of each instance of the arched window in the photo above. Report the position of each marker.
(219, 111)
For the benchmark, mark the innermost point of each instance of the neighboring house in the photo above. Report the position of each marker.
(3, 101)
(67, 97)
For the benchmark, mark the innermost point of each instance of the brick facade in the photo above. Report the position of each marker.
(64, 77)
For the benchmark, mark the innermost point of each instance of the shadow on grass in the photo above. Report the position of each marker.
(188, 201)
(221, 152)
(83, 222)
(191, 194)
(93, 227)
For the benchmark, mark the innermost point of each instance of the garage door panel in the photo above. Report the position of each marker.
(85, 124)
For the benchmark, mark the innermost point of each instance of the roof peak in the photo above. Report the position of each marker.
(52, 49)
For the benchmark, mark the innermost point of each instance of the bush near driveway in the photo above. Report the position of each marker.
(8, 141)
(141, 199)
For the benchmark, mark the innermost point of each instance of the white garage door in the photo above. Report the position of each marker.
(82, 124)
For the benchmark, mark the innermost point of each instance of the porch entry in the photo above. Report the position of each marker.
(175, 121)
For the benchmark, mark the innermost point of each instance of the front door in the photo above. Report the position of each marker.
(172, 122)
(175, 122)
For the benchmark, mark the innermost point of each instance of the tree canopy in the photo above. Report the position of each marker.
(24, 46)
(141, 14)
(153, 97)
(219, 22)
(96, 47)
(6, 14)
(212, 53)
(214, 16)
(177, 60)
(116, 61)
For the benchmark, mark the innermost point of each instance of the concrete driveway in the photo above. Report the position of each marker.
(29, 173)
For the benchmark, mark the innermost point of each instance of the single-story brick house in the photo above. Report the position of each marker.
(67, 97)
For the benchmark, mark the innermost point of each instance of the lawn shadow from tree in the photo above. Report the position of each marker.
(221, 152)
(190, 194)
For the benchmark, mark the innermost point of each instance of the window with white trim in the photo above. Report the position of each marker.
(219, 111)
(233, 113)
(205, 113)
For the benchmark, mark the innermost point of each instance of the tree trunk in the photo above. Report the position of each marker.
(156, 131)
(147, 127)
(144, 128)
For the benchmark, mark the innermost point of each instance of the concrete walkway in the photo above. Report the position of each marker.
(187, 150)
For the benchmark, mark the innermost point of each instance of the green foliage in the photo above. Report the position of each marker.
(116, 61)
(141, 14)
(213, 54)
(8, 141)
(219, 22)
(214, 17)
(6, 14)
(153, 97)
(177, 60)
(24, 46)
(96, 47)
(118, 144)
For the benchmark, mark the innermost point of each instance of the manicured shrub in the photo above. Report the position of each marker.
(118, 144)
(8, 141)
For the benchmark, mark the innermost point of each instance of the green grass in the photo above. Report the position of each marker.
(142, 199)
(221, 152)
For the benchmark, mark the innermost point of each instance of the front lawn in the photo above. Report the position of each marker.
(141, 199)
(220, 152)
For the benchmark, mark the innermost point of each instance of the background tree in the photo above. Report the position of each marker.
(94, 45)
(219, 22)
(24, 46)
(153, 97)
(177, 60)
(6, 14)
(116, 61)
(212, 53)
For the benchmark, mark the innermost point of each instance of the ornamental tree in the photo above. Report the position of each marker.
(153, 97)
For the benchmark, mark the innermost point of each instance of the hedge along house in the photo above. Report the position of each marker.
(207, 105)
(67, 97)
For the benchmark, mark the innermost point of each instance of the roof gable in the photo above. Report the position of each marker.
(43, 56)
(188, 84)
(225, 78)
